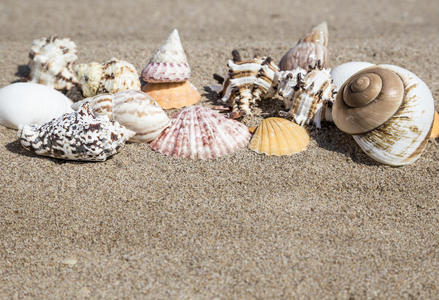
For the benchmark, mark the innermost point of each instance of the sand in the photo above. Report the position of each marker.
(326, 223)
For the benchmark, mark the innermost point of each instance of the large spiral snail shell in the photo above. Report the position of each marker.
(388, 110)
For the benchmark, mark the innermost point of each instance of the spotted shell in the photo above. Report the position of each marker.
(169, 64)
(277, 136)
(310, 50)
(89, 76)
(201, 133)
(135, 110)
(173, 95)
(51, 62)
(76, 136)
(389, 111)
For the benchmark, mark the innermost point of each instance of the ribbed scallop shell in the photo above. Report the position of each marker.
(173, 95)
(51, 62)
(201, 133)
(401, 140)
(313, 99)
(277, 136)
(76, 136)
(135, 110)
(169, 64)
(309, 51)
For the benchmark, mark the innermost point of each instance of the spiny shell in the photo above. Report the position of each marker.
(111, 77)
(173, 95)
(277, 136)
(201, 133)
(310, 50)
(76, 136)
(51, 62)
(312, 101)
(399, 140)
(342, 72)
(26, 103)
(247, 82)
(135, 110)
(169, 64)
(287, 84)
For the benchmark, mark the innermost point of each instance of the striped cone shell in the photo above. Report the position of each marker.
(173, 95)
(201, 133)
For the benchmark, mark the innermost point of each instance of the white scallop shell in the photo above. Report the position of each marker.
(51, 63)
(401, 140)
(201, 133)
(343, 72)
(76, 136)
(169, 63)
(89, 76)
(135, 110)
(26, 103)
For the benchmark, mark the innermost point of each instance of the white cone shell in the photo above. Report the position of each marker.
(169, 63)
(343, 72)
(26, 103)
(401, 140)
(135, 110)
(201, 133)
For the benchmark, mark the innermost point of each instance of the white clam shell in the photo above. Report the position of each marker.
(401, 140)
(26, 103)
(343, 72)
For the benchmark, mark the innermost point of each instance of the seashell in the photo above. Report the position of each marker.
(173, 95)
(169, 64)
(313, 96)
(342, 72)
(26, 103)
(89, 78)
(389, 111)
(51, 62)
(247, 82)
(308, 51)
(201, 133)
(287, 84)
(277, 136)
(112, 77)
(76, 136)
(134, 110)
(435, 129)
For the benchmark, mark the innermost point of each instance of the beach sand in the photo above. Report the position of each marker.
(328, 222)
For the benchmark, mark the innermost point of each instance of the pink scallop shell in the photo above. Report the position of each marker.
(166, 72)
(201, 133)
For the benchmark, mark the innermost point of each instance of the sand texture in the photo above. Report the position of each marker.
(325, 223)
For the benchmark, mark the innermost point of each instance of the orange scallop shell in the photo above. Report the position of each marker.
(435, 130)
(173, 94)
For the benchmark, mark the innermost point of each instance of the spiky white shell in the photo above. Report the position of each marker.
(169, 63)
(51, 63)
(286, 82)
(76, 136)
(89, 76)
(135, 110)
(201, 133)
(26, 103)
(342, 72)
(401, 140)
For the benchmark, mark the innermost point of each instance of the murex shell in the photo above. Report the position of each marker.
(173, 94)
(51, 62)
(247, 82)
(135, 110)
(201, 133)
(310, 50)
(111, 77)
(308, 97)
(389, 111)
(76, 136)
(277, 136)
(169, 63)
(26, 103)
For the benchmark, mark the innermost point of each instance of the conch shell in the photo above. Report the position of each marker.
(310, 50)
(389, 111)
(51, 62)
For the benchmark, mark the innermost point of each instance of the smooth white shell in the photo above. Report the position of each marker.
(26, 103)
(401, 140)
(343, 72)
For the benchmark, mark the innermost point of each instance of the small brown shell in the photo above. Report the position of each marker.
(367, 100)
